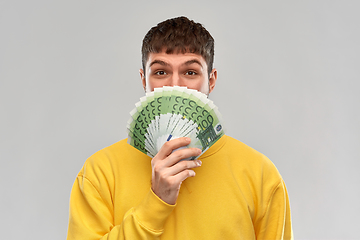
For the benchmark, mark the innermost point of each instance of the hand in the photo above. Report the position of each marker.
(168, 173)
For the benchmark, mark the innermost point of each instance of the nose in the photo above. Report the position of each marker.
(175, 79)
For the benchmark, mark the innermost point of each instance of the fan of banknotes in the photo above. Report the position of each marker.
(172, 112)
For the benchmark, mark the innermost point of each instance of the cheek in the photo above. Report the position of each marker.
(150, 85)
(201, 86)
(205, 88)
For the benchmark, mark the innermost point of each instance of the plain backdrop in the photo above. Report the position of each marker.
(288, 86)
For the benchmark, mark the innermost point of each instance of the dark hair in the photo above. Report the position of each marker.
(179, 35)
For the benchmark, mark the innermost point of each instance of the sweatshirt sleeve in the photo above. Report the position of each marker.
(276, 222)
(91, 216)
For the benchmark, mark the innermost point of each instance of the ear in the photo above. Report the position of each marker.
(142, 76)
(212, 79)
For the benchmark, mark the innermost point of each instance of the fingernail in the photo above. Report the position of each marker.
(187, 139)
(199, 163)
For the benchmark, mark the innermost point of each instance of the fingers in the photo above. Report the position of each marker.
(166, 182)
(179, 178)
(168, 171)
(171, 145)
(179, 155)
(170, 154)
(179, 167)
(182, 166)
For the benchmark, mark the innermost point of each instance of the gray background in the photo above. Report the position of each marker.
(288, 86)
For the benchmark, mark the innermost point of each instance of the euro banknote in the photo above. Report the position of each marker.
(172, 112)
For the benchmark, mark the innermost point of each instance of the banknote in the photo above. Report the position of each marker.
(172, 112)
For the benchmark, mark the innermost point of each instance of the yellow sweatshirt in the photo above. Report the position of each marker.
(237, 193)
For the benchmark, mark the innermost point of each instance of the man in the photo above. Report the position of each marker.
(237, 193)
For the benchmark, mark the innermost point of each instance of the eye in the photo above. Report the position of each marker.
(160, 73)
(190, 73)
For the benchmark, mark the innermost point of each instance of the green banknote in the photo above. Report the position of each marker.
(172, 112)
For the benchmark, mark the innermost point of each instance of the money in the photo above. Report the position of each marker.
(172, 112)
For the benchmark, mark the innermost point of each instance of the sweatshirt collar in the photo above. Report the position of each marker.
(215, 147)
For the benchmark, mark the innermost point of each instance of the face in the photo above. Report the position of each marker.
(183, 69)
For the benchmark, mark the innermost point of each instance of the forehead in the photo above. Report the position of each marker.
(175, 59)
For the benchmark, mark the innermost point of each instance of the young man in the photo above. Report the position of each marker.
(237, 193)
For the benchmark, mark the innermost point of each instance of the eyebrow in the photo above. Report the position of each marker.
(159, 62)
(192, 61)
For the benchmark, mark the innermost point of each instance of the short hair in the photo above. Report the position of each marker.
(179, 35)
